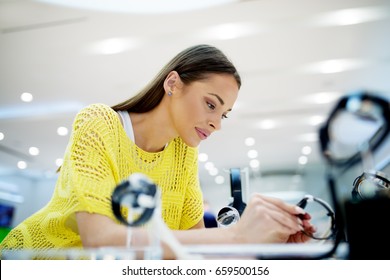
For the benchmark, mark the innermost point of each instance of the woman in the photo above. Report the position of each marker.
(156, 132)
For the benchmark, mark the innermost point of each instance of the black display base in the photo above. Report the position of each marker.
(368, 228)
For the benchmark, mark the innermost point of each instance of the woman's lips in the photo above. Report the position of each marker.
(203, 134)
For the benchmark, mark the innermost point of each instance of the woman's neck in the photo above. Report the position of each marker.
(153, 129)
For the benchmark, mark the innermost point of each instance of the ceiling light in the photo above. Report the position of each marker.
(139, 6)
(352, 16)
(334, 66)
(209, 165)
(267, 124)
(26, 97)
(213, 171)
(316, 120)
(219, 179)
(308, 137)
(34, 151)
(62, 131)
(229, 31)
(22, 164)
(59, 161)
(252, 154)
(1, 136)
(203, 157)
(302, 160)
(254, 163)
(306, 150)
(322, 97)
(250, 141)
(113, 46)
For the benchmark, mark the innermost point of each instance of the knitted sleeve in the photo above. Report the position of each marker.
(193, 202)
(92, 169)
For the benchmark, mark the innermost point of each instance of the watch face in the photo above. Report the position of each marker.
(369, 184)
(227, 220)
(134, 200)
(367, 188)
(227, 216)
(322, 218)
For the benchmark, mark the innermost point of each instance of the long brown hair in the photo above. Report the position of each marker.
(192, 64)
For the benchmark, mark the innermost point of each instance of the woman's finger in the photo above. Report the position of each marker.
(291, 208)
(276, 212)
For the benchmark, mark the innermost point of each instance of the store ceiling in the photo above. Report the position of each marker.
(280, 48)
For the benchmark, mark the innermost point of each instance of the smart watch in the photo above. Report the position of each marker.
(137, 195)
(368, 184)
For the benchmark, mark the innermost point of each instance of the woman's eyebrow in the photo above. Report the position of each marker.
(218, 97)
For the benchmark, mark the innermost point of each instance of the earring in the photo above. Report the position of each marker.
(169, 93)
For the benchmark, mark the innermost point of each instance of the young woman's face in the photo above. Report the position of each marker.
(199, 108)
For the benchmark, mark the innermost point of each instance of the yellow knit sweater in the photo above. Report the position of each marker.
(98, 157)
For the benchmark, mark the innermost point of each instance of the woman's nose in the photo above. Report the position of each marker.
(215, 124)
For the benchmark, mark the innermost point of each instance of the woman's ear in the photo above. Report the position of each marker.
(171, 82)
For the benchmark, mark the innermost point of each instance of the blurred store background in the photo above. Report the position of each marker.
(296, 58)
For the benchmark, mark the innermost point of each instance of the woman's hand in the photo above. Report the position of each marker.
(301, 237)
(270, 220)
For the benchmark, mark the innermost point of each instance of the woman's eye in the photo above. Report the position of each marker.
(224, 116)
(210, 105)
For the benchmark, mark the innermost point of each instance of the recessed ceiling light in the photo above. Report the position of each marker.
(209, 165)
(302, 160)
(229, 31)
(306, 150)
(334, 66)
(308, 137)
(62, 131)
(34, 151)
(203, 157)
(352, 16)
(250, 141)
(267, 124)
(113, 46)
(1, 136)
(322, 97)
(254, 163)
(316, 120)
(59, 161)
(219, 179)
(26, 97)
(252, 154)
(213, 171)
(22, 164)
